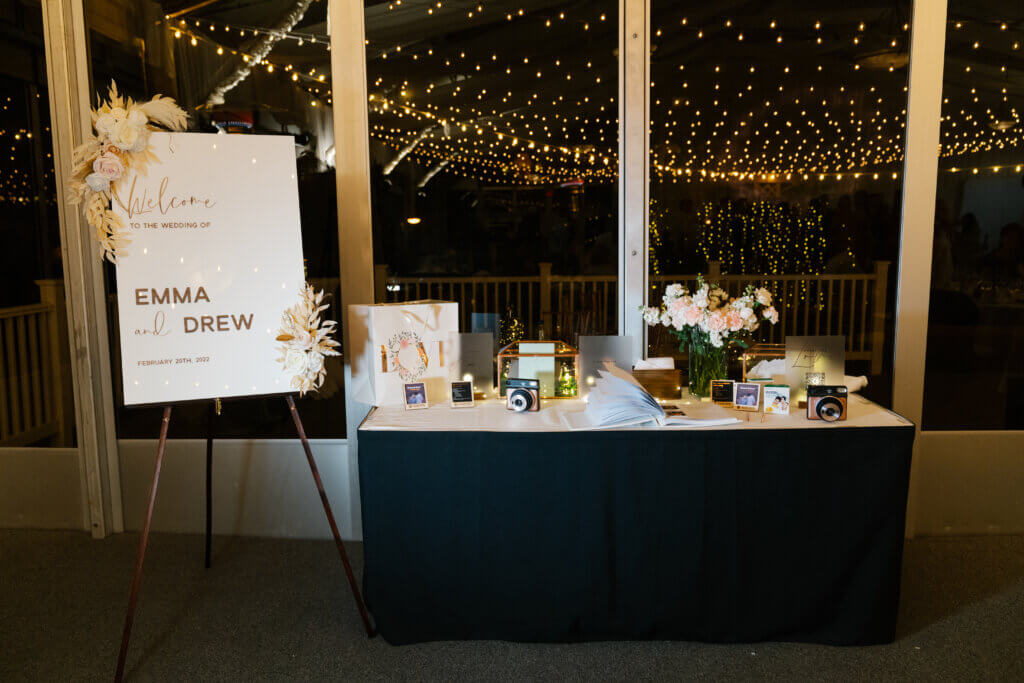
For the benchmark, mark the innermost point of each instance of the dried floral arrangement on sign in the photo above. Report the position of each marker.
(306, 341)
(120, 144)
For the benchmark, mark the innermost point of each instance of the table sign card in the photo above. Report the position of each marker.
(814, 360)
(722, 392)
(215, 259)
(462, 394)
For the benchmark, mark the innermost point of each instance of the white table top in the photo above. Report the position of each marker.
(492, 416)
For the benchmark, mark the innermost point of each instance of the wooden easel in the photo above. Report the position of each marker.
(144, 538)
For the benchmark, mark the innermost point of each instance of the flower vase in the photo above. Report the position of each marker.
(706, 363)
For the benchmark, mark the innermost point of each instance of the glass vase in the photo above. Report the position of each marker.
(706, 363)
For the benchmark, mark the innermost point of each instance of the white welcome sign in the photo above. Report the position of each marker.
(215, 259)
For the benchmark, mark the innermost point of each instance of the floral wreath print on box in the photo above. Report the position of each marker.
(119, 144)
(706, 320)
(407, 356)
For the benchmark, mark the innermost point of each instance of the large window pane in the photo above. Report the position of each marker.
(494, 138)
(974, 373)
(192, 52)
(36, 397)
(776, 158)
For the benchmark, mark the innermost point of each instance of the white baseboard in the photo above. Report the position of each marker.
(260, 487)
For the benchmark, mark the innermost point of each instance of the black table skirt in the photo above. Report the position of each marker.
(718, 536)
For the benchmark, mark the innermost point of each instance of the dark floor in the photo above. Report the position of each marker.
(280, 610)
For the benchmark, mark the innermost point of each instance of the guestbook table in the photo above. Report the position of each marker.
(484, 524)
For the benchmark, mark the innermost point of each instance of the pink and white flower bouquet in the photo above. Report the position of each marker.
(706, 320)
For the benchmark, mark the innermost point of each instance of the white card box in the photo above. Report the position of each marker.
(413, 341)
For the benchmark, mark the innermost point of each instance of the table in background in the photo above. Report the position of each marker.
(483, 524)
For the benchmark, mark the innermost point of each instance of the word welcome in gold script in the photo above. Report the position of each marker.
(149, 296)
(142, 203)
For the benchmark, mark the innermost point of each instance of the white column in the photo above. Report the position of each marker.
(355, 226)
(914, 272)
(68, 85)
(634, 143)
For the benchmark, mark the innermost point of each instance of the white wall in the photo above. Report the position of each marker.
(261, 487)
(41, 488)
(969, 483)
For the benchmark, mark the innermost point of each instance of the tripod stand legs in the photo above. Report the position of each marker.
(330, 518)
(133, 596)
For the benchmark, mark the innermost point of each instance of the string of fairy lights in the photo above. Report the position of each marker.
(860, 146)
(839, 132)
(495, 115)
(19, 185)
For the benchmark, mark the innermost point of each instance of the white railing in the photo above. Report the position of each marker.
(565, 306)
(36, 403)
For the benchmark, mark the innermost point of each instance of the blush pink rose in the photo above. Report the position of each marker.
(692, 315)
(717, 322)
(734, 320)
(109, 166)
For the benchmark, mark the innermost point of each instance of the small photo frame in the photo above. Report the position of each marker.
(747, 396)
(461, 394)
(776, 399)
(415, 395)
(722, 391)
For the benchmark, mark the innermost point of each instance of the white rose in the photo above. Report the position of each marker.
(674, 291)
(746, 312)
(138, 117)
(129, 136)
(104, 124)
(295, 361)
(316, 362)
(97, 183)
(716, 339)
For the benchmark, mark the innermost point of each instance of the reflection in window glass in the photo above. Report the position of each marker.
(36, 396)
(494, 138)
(243, 68)
(776, 159)
(974, 373)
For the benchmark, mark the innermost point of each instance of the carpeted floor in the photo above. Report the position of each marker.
(280, 610)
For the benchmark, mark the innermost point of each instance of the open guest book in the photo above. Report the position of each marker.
(618, 400)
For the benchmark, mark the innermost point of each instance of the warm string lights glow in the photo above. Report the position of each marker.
(508, 115)
(807, 127)
(313, 82)
(763, 237)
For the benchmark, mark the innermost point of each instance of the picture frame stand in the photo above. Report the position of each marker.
(133, 596)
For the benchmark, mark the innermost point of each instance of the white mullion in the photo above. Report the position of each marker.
(924, 104)
(634, 145)
(355, 223)
(70, 120)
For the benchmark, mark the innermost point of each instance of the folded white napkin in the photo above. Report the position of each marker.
(664, 363)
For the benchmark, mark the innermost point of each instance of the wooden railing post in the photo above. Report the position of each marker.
(714, 271)
(878, 317)
(545, 299)
(380, 282)
(61, 393)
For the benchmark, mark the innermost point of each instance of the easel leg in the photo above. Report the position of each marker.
(133, 597)
(209, 480)
(330, 518)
